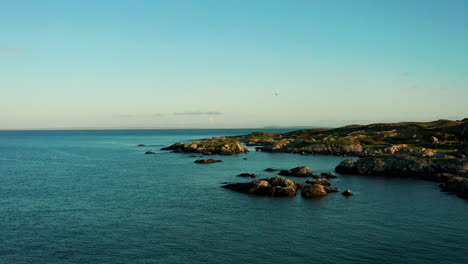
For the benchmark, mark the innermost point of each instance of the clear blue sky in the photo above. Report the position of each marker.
(249, 63)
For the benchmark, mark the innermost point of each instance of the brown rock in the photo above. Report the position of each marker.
(302, 171)
(315, 190)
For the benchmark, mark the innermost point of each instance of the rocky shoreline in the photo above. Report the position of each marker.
(452, 172)
(435, 151)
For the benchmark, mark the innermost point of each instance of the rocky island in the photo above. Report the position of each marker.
(435, 151)
(212, 146)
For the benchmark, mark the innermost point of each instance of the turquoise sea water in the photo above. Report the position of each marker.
(94, 197)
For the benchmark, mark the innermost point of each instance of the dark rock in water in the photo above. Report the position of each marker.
(192, 156)
(311, 191)
(276, 186)
(321, 181)
(141, 145)
(440, 177)
(347, 167)
(302, 171)
(150, 152)
(331, 189)
(245, 159)
(209, 147)
(253, 175)
(206, 161)
(434, 169)
(328, 175)
(347, 193)
(269, 169)
(457, 185)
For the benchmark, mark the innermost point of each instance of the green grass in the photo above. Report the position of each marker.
(374, 146)
(446, 151)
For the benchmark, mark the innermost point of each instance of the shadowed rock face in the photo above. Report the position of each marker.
(403, 165)
(439, 170)
(209, 147)
(302, 171)
(275, 186)
(457, 185)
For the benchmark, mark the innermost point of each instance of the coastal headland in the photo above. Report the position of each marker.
(435, 151)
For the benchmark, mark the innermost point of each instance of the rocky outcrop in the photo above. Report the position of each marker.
(207, 161)
(209, 147)
(347, 192)
(457, 185)
(329, 189)
(403, 165)
(252, 175)
(276, 187)
(314, 190)
(328, 175)
(321, 181)
(302, 171)
(307, 147)
(347, 166)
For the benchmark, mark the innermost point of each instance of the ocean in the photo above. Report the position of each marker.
(95, 197)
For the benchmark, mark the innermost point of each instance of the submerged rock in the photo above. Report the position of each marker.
(206, 161)
(141, 145)
(270, 169)
(253, 175)
(150, 152)
(302, 171)
(276, 187)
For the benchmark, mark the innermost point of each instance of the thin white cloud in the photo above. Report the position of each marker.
(10, 49)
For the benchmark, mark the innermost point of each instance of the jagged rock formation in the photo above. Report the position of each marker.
(276, 186)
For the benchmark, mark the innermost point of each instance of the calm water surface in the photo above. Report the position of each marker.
(94, 197)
